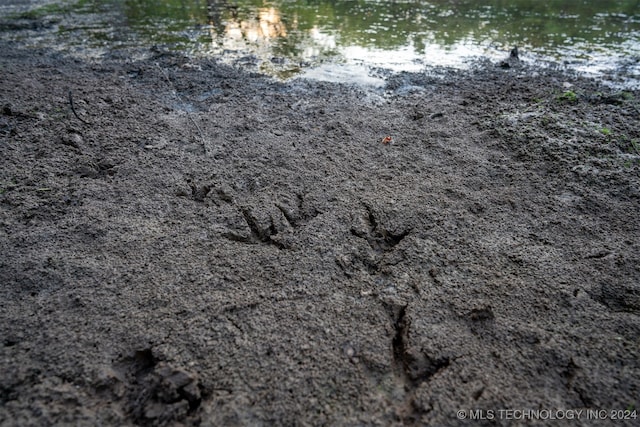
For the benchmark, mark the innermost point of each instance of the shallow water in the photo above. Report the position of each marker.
(338, 40)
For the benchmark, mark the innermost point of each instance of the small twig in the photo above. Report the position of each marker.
(74, 109)
(174, 92)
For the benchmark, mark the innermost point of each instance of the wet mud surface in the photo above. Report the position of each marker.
(194, 245)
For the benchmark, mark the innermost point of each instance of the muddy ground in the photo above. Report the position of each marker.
(192, 244)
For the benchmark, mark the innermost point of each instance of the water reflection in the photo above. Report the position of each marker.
(234, 34)
(289, 36)
(279, 45)
(266, 26)
(285, 37)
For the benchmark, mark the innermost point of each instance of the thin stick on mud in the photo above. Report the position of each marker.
(203, 140)
(74, 109)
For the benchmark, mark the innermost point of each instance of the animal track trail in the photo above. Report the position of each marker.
(381, 241)
(153, 392)
(412, 366)
(269, 219)
(380, 237)
(261, 228)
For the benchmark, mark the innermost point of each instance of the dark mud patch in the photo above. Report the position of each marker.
(261, 257)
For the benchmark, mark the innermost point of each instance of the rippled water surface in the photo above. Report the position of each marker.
(337, 39)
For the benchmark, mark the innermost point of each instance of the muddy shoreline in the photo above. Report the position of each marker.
(196, 245)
